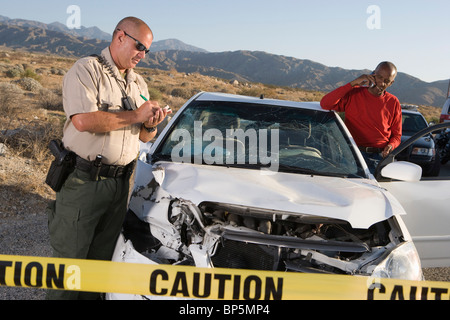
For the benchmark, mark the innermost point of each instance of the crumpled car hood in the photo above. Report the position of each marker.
(360, 202)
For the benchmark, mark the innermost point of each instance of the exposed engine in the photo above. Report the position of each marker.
(228, 236)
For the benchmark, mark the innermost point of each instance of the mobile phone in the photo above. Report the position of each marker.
(372, 84)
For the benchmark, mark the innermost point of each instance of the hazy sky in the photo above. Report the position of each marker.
(352, 34)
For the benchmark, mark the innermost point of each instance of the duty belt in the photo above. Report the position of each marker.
(108, 171)
(370, 149)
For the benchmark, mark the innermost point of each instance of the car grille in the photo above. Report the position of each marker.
(241, 255)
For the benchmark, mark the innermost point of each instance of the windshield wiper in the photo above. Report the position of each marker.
(292, 169)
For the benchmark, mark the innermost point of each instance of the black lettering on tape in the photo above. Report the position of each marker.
(222, 278)
(53, 278)
(423, 293)
(438, 292)
(236, 287)
(153, 279)
(256, 288)
(397, 291)
(371, 290)
(3, 266)
(276, 292)
(37, 277)
(17, 273)
(180, 285)
(251, 288)
(206, 285)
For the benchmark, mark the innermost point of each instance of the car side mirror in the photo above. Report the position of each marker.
(402, 170)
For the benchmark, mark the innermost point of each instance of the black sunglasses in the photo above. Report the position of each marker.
(139, 45)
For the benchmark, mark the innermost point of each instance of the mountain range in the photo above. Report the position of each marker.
(244, 66)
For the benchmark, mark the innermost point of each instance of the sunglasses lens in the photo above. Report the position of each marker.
(141, 47)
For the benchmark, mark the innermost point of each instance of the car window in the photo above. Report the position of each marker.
(412, 123)
(254, 136)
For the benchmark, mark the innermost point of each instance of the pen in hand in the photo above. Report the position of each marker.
(166, 107)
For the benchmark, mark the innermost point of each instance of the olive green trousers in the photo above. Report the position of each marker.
(85, 221)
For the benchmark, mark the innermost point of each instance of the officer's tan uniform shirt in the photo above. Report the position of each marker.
(88, 87)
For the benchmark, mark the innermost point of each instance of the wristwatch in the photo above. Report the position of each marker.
(151, 129)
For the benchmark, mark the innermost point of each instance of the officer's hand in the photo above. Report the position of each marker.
(146, 111)
(158, 116)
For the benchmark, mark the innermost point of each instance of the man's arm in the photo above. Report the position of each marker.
(396, 131)
(100, 121)
(396, 128)
(335, 100)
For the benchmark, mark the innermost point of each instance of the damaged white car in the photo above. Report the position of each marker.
(241, 182)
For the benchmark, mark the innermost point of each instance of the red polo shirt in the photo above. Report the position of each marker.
(372, 121)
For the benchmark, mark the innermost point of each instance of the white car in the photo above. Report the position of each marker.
(248, 183)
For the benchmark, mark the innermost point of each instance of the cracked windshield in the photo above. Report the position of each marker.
(259, 136)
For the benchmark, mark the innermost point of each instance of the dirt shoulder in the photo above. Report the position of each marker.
(23, 219)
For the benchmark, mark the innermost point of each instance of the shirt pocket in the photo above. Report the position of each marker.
(109, 96)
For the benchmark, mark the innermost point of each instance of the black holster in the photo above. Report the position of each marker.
(61, 166)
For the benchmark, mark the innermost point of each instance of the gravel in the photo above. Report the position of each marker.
(23, 219)
(26, 235)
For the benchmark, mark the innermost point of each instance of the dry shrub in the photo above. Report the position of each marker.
(10, 97)
(29, 84)
(155, 94)
(181, 93)
(175, 103)
(51, 100)
(31, 141)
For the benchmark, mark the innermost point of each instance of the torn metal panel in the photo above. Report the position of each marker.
(360, 203)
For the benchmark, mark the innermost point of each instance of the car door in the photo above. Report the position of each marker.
(427, 203)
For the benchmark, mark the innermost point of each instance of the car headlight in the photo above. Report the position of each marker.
(402, 263)
(423, 152)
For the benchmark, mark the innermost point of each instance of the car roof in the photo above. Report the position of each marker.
(218, 96)
(410, 111)
(412, 108)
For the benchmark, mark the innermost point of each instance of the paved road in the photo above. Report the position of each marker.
(445, 170)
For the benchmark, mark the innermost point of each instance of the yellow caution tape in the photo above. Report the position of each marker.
(216, 283)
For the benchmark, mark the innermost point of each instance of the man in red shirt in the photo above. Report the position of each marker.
(373, 116)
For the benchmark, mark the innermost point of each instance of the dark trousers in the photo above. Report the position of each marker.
(85, 221)
(372, 160)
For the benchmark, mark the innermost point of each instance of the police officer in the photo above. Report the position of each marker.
(107, 111)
